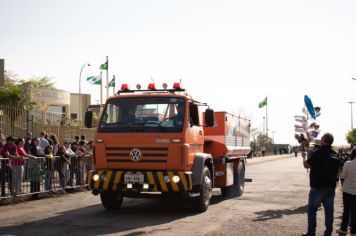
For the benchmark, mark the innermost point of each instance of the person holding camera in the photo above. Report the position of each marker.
(324, 169)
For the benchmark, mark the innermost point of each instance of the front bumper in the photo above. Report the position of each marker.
(154, 181)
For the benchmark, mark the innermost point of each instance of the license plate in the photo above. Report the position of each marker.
(134, 178)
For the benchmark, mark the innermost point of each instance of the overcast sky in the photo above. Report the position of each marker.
(230, 54)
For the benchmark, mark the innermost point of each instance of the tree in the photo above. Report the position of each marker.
(263, 140)
(15, 93)
(41, 82)
(351, 136)
(15, 96)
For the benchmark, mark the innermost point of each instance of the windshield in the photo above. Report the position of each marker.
(158, 114)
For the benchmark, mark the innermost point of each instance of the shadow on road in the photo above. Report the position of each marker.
(276, 214)
(95, 220)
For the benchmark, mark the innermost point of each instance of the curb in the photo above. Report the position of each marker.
(256, 160)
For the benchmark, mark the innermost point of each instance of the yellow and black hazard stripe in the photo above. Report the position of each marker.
(157, 180)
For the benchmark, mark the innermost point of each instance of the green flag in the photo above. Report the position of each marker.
(94, 80)
(263, 103)
(104, 66)
(112, 82)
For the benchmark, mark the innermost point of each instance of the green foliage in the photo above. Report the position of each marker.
(14, 95)
(263, 140)
(41, 82)
(351, 136)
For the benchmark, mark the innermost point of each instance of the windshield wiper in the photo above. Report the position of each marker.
(137, 125)
(116, 124)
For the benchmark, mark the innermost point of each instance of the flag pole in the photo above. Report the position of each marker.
(101, 87)
(107, 77)
(113, 87)
(266, 117)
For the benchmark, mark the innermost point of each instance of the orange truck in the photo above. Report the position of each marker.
(163, 142)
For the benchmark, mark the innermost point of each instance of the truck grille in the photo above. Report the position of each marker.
(148, 154)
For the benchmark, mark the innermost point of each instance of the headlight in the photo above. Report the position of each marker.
(95, 177)
(175, 179)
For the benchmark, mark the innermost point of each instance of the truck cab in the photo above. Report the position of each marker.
(154, 142)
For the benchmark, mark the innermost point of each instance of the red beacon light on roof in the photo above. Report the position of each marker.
(176, 86)
(151, 86)
(124, 87)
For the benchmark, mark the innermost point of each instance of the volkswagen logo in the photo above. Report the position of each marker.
(135, 154)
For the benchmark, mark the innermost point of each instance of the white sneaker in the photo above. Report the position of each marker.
(340, 231)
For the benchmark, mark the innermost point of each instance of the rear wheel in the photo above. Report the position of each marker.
(111, 200)
(237, 189)
(202, 202)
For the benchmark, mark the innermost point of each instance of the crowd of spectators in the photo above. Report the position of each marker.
(33, 159)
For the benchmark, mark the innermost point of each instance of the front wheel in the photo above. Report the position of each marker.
(237, 189)
(202, 202)
(111, 200)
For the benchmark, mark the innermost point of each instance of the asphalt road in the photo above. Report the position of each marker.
(273, 204)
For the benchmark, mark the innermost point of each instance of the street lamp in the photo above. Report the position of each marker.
(79, 94)
(352, 123)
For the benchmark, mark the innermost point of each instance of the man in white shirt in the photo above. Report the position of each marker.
(73, 164)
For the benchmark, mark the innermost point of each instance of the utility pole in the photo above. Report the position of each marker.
(352, 119)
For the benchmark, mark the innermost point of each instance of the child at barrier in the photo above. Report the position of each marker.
(36, 151)
(36, 174)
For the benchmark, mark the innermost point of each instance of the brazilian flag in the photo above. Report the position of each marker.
(263, 103)
(104, 66)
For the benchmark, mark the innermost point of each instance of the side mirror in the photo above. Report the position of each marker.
(209, 118)
(88, 119)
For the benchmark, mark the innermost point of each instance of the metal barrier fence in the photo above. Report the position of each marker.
(42, 175)
(18, 121)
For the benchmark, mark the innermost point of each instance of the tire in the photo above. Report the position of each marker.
(202, 202)
(237, 189)
(111, 200)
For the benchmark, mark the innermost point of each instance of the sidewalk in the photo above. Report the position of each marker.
(255, 160)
